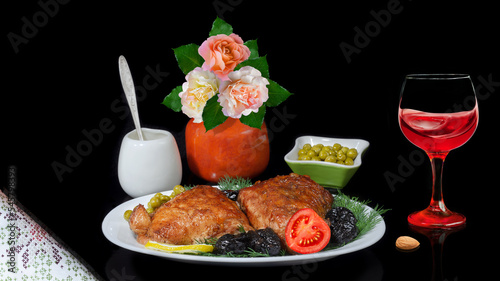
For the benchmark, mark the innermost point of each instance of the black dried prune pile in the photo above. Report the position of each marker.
(229, 243)
(342, 225)
(264, 241)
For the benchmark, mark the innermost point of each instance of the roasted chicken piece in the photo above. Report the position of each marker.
(201, 212)
(271, 203)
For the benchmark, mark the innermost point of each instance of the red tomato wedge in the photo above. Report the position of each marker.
(306, 232)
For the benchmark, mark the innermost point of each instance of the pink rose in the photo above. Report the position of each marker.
(244, 93)
(222, 53)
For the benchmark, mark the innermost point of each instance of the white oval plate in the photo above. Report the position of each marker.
(116, 230)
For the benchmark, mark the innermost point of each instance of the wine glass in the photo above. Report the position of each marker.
(437, 113)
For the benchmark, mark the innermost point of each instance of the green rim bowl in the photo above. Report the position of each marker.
(326, 174)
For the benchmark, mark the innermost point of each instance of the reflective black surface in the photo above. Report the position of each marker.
(64, 115)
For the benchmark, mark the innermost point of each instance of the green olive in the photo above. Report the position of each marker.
(155, 202)
(315, 158)
(178, 189)
(304, 157)
(316, 149)
(311, 153)
(331, 158)
(337, 147)
(344, 149)
(307, 146)
(127, 214)
(302, 152)
(322, 155)
(341, 156)
(349, 161)
(352, 153)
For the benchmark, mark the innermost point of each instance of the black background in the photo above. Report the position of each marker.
(64, 80)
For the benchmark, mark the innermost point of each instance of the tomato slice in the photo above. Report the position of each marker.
(306, 232)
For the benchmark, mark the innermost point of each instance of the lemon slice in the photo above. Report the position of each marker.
(169, 248)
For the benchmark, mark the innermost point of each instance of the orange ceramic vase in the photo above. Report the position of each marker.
(230, 149)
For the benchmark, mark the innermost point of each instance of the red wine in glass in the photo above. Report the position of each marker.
(437, 113)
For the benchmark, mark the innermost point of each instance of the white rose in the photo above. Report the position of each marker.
(199, 87)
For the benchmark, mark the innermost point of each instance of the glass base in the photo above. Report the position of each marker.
(432, 218)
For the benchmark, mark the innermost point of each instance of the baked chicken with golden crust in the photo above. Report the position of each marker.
(271, 203)
(194, 215)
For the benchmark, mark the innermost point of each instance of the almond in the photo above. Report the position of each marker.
(407, 243)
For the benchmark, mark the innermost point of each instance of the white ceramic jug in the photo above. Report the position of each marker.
(149, 166)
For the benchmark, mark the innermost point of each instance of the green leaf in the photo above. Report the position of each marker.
(277, 94)
(188, 57)
(212, 114)
(253, 119)
(173, 101)
(220, 27)
(254, 50)
(366, 219)
(259, 63)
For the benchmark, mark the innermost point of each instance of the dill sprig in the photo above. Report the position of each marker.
(367, 219)
(237, 183)
(209, 241)
(189, 186)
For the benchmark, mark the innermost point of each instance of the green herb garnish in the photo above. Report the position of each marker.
(228, 183)
(366, 219)
(208, 241)
(189, 186)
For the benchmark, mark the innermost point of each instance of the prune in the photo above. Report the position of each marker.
(236, 244)
(231, 194)
(263, 241)
(340, 214)
(342, 225)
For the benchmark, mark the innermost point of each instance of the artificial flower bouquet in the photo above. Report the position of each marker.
(225, 78)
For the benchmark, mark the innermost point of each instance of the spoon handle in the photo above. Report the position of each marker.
(128, 87)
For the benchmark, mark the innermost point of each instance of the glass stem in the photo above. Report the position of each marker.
(437, 161)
